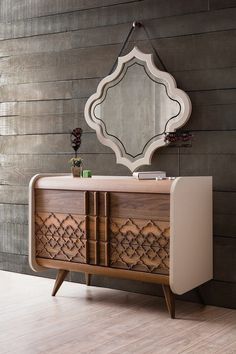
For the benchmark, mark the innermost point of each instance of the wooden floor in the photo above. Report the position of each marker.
(84, 319)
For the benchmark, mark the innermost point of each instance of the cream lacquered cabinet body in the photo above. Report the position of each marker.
(154, 231)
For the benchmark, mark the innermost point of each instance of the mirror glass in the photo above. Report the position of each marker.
(134, 107)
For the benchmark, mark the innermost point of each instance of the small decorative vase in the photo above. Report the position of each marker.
(77, 171)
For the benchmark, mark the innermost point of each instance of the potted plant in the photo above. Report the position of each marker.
(76, 166)
(76, 162)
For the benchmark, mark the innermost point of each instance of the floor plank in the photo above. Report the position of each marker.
(90, 320)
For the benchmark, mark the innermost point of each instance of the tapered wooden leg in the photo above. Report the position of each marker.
(170, 300)
(59, 280)
(87, 278)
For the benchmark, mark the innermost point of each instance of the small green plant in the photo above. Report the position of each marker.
(76, 161)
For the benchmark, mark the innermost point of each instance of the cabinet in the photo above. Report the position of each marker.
(154, 231)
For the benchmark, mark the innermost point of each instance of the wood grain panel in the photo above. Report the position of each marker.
(140, 205)
(219, 293)
(17, 263)
(46, 100)
(219, 43)
(96, 240)
(60, 201)
(225, 258)
(111, 272)
(50, 66)
(16, 214)
(199, 80)
(157, 28)
(219, 4)
(85, 87)
(46, 93)
(10, 8)
(14, 194)
(216, 117)
(217, 165)
(14, 238)
(100, 228)
(213, 97)
(43, 144)
(37, 91)
(212, 142)
(97, 207)
(42, 107)
(81, 63)
(224, 202)
(97, 17)
(42, 124)
(37, 44)
(61, 236)
(176, 26)
(139, 244)
(224, 225)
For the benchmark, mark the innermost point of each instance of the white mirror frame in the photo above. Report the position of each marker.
(172, 90)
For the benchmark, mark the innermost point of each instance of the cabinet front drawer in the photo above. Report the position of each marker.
(61, 236)
(139, 245)
(60, 201)
(140, 205)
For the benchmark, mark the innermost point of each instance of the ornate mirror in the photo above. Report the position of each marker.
(135, 107)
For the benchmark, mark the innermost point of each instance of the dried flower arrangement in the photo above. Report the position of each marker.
(76, 162)
(179, 139)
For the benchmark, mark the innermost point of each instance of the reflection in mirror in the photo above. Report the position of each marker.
(134, 107)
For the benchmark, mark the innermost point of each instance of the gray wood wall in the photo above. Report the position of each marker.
(52, 55)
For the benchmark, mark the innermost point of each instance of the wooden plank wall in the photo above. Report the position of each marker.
(52, 55)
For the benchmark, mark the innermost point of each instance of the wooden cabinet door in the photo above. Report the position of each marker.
(139, 232)
(60, 225)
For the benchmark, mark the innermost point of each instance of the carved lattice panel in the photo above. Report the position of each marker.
(60, 236)
(141, 245)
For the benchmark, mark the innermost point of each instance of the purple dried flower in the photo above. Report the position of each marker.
(75, 139)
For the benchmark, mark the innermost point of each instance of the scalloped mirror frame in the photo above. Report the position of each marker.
(172, 90)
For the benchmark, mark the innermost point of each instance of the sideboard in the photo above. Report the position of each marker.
(148, 230)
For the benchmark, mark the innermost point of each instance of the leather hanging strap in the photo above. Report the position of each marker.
(135, 25)
(154, 49)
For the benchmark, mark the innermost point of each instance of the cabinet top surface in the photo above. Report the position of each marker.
(102, 183)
